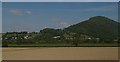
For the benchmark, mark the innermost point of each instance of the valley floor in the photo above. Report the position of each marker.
(61, 53)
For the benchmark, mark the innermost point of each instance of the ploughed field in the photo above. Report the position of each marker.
(60, 53)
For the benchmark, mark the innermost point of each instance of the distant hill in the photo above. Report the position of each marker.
(98, 26)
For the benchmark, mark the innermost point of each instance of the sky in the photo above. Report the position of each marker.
(60, 0)
(0, 17)
(35, 16)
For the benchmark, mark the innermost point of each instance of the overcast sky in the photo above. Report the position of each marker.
(36, 16)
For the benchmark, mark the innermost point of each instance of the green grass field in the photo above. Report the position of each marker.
(63, 45)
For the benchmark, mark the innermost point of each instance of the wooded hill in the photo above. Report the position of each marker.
(98, 26)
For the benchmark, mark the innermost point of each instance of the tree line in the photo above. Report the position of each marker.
(49, 36)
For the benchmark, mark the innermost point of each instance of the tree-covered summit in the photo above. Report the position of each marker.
(98, 26)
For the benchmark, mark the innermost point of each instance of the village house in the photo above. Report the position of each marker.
(55, 37)
(27, 37)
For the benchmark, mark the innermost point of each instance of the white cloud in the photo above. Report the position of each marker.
(64, 24)
(19, 12)
(16, 12)
(28, 12)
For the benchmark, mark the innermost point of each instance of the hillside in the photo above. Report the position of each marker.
(98, 26)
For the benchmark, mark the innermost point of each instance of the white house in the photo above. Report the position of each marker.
(55, 37)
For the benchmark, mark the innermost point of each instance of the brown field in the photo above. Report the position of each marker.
(61, 53)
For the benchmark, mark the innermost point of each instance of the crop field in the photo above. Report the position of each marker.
(60, 53)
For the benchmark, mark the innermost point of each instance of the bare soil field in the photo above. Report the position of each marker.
(61, 53)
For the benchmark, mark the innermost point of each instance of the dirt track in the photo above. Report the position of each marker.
(61, 53)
